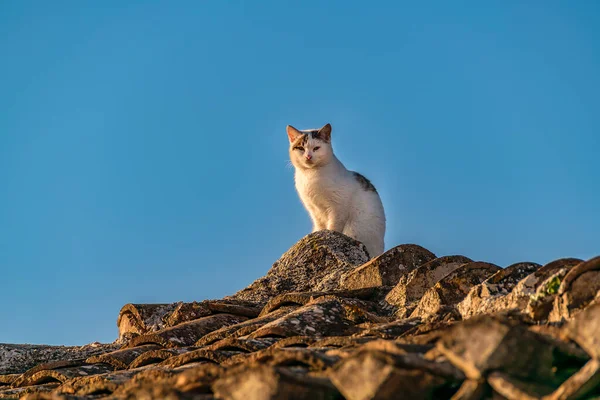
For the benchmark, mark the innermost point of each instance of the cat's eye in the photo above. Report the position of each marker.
(316, 148)
(299, 148)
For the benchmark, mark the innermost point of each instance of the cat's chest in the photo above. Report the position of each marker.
(320, 189)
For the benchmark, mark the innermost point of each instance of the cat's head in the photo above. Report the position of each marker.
(310, 148)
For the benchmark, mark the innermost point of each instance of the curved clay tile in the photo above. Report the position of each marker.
(121, 359)
(235, 307)
(315, 263)
(190, 311)
(61, 374)
(374, 375)
(579, 287)
(242, 328)
(394, 347)
(19, 358)
(198, 379)
(212, 356)
(46, 366)
(454, 287)
(7, 380)
(326, 318)
(312, 360)
(187, 333)
(289, 299)
(535, 294)
(156, 356)
(411, 287)
(511, 275)
(248, 358)
(37, 392)
(391, 330)
(303, 298)
(584, 329)
(97, 384)
(266, 382)
(339, 341)
(487, 296)
(555, 265)
(139, 319)
(314, 340)
(242, 345)
(520, 297)
(294, 341)
(482, 344)
(143, 383)
(359, 311)
(578, 270)
(142, 318)
(386, 269)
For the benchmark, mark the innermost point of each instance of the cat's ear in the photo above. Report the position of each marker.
(325, 133)
(293, 133)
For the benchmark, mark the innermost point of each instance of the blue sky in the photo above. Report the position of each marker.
(143, 147)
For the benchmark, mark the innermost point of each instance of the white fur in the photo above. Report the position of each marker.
(333, 196)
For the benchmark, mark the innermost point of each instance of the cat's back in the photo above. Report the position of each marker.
(366, 197)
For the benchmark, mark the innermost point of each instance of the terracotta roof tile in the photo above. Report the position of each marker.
(327, 323)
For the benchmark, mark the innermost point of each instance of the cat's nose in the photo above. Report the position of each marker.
(308, 156)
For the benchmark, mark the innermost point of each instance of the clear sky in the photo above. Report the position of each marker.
(143, 149)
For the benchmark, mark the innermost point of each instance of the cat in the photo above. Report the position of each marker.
(336, 199)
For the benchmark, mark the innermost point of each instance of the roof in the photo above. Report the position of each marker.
(328, 323)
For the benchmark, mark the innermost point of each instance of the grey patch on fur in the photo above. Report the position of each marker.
(364, 182)
(315, 135)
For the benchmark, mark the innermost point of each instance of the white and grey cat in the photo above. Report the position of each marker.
(336, 199)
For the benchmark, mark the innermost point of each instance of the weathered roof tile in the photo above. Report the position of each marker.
(477, 332)
(187, 333)
(386, 269)
(411, 287)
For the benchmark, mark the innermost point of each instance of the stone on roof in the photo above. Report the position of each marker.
(326, 322)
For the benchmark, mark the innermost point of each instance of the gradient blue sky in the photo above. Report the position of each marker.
(143, 148)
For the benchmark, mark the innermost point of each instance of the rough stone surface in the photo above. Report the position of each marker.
(454, 287)
(411, 287)
(584, 329)
(577, 290)
(484, 298)
(537, 284)
(322, 318)
(387, 269)
(268, 383)
(187, 333)
(379, 375)
(139, 319)
(315, 263)
(476, 332)
(17, 358)
(482, 344)
(120, 359)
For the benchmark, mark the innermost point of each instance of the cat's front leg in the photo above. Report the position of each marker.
(318, 222)
(318, 227)
(336, 223)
